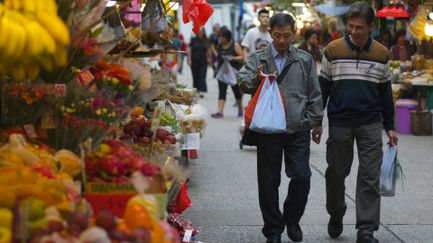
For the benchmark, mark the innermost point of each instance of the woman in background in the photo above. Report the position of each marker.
(229, 50)
(198, 59)
(311, 44)
(401, 50)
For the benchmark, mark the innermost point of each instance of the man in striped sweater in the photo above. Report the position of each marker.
(355, 84)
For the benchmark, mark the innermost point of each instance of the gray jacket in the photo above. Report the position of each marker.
(301, 88)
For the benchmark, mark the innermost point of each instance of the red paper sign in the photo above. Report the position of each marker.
(85, 77)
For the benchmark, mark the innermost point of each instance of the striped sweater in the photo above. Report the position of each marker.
(356, 82)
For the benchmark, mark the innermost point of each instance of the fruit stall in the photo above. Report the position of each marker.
(92, 138)
(413, 79)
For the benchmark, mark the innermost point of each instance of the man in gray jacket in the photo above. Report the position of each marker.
(304, 111)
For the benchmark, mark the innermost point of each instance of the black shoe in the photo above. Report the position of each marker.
(274, 239)
(366, 239)
(294, 232)
(335, 227)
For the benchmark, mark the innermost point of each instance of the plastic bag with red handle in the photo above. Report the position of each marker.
(196, 11)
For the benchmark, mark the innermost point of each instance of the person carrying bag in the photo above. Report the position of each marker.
(229, 61)
(283, 80)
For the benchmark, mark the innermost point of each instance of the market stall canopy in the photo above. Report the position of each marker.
(332, 9)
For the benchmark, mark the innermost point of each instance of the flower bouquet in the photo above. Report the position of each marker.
(23, 103)
(112, 77)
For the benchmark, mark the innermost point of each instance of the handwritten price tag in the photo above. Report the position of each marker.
(60, 90)
(187, 236)
(47, 121)
(85, 77)
(156, 118)
(30, 130)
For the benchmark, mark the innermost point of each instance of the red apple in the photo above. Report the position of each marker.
(144, 140)
(141, 122)
(79, 219)
(161, 134)
(141, 235)
(119, 235)
(128, 128)
(106, 220)
(171, 138)
(55, 225)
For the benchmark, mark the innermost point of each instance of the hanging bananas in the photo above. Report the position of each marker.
(32, 37)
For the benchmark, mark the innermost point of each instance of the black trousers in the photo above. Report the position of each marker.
(270, 150)
(222, 87)
(199, 71)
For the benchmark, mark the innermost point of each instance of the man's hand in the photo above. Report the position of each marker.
(316, 134)
(260, 74)
(393, 139)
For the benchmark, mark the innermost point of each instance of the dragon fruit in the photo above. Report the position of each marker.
(149, 169)
(113, 166)
(114, 162)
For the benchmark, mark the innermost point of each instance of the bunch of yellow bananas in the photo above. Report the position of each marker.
(416, 26)
(32, 36)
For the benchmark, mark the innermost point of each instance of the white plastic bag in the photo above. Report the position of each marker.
(389, 172)
(269, 115)
(227, 73)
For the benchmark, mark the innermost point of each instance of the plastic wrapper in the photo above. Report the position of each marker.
(197, 12)
(192, 119)
(153, 18)
(418, 62)
(390, 171)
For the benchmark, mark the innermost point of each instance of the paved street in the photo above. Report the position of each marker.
(223, 187)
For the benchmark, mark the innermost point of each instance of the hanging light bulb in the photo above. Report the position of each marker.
(299, 24)
(111, 3)
(428, 29)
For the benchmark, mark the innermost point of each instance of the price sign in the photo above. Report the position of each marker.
(47, 121)
(60, 90)
(30, 130)
(190, 141)
(187, 236)
(156, 118)
(85, 77)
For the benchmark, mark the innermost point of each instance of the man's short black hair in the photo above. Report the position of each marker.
(282, 20)
(263, 11)
(363, 10)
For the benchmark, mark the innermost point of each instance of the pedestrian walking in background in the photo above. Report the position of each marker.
(183, 48)
(249, 42)
(386, 39)
(356, 88)
(228, 50)
(304, 110)
(311, 44)
(401, 50)
(213, 38)
(198, 59)
(169, 59)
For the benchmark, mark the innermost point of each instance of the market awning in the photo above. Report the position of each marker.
(332, 9)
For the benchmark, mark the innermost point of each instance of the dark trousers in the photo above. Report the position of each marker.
(222, 87)
(339, 156)
(270, 149)
(199, 71)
